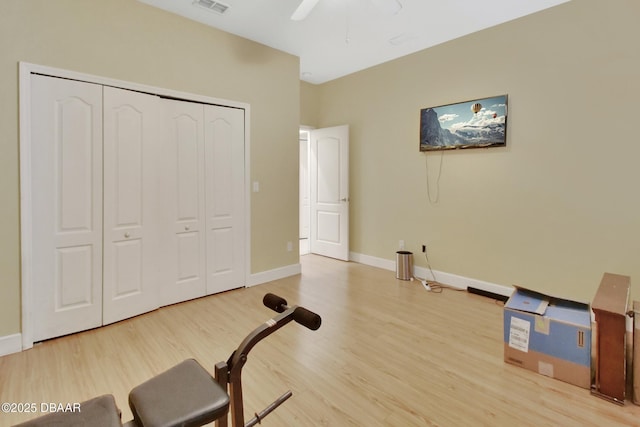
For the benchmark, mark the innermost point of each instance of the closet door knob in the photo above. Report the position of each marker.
(187, 228)
(127, 235)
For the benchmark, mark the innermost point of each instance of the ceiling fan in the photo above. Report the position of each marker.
(391, 7)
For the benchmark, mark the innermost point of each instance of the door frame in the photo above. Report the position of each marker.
(307, 130)
(26, 219)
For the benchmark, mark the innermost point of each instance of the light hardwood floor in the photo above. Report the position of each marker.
(388, 354)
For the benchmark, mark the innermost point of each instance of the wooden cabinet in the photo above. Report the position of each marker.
(636, 352)
(610, 308)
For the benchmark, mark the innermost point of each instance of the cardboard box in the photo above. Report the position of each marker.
(551, 336)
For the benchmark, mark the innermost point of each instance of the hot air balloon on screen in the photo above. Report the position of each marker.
(476, 123)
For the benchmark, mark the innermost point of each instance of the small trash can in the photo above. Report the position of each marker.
(404, 265)
(636, 352)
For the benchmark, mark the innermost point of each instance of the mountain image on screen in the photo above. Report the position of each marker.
(464, 125)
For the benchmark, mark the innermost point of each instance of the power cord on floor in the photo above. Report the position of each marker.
(433, 285)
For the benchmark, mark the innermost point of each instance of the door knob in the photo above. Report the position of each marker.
(127, 235)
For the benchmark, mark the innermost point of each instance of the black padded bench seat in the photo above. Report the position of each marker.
(185, 395)
(100, 411)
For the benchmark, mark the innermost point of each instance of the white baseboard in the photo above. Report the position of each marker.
(275, 274)
(372, 261)
(10, 344)
(448, 279)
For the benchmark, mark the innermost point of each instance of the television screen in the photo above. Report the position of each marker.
(479, 123)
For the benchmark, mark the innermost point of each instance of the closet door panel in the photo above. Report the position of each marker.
(133, 210)
(224, 177)
(125, 146)
(66, 175)
(126, 268)
(221, 257)
(184, 170)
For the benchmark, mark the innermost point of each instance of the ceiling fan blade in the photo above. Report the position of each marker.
(303, 9)
(390, 7)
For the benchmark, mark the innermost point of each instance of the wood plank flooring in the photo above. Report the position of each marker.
(388, 353)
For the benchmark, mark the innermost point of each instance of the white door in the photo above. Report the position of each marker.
(184, 170)
(224, 194)
(132, 207)
(66, 180)
(329, 167)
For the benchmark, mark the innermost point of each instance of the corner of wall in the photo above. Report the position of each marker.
(10, 344)
(275, 274)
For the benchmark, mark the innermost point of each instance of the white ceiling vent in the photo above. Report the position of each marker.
(211, 5)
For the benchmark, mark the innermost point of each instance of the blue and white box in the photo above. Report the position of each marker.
(548, 335)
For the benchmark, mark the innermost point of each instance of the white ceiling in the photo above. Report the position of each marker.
(340, 37)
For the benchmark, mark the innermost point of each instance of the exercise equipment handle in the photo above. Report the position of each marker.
(301, 315)
(307, 318)
(275, 303)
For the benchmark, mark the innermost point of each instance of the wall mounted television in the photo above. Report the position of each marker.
(480, 123)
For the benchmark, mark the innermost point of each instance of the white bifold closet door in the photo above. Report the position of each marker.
(224, 194)
(96, 229)
(66, 200)
(204, 197)
(133, 214)
(137, 202)
(184, 167)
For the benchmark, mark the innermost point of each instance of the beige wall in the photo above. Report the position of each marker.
(128, 40)
(553, 210)
(309, 104)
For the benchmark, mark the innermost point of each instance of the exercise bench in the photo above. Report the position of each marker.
(187, 395)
